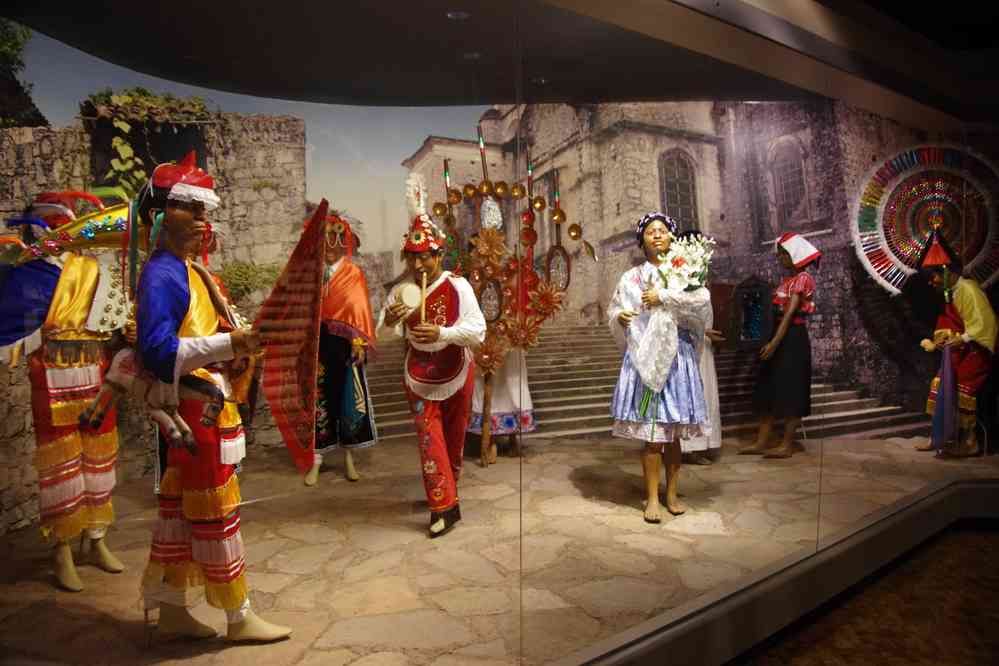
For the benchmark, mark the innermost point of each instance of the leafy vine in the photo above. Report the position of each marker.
(133, 113)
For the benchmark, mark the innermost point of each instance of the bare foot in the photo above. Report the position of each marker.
(312, 476)
(675, 506)
(924, 446)
(653, 512)
(351, 471)
(752, 450)
(779, 452)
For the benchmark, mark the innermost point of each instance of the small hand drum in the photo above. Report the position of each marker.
(409, 295)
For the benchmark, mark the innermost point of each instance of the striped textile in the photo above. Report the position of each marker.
(76, 467)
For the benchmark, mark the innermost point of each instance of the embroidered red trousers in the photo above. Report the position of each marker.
(440, 429)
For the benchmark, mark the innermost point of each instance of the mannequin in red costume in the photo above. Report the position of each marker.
(439, 377)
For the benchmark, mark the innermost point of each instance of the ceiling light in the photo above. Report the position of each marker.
(539, 81)
(458, 15)
(471, 55)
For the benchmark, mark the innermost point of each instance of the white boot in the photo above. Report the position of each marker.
(65, 568)
(178, 621)
(255, 628)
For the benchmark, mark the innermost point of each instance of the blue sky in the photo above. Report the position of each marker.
(353, 152)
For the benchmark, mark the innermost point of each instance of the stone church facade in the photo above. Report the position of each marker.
(740, 172)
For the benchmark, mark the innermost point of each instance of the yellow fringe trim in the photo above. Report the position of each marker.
(68, 413)
(229, 417)
(85, 350)
(58, 451)
(70, 526)
(965, 402)
(170, 483)
(214, 503)
(66, 527)
(240, 384)
(228, 596)
(100, 516)
(100, 446)
(178, 576)
(965, 421)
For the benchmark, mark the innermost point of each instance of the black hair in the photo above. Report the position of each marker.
(648, 219)
(151, 198)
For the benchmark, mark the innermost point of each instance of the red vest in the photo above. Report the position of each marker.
(440, 367)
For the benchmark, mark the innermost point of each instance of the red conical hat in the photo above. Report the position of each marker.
(185, 181)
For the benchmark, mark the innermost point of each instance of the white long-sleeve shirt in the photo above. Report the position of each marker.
(468, 331)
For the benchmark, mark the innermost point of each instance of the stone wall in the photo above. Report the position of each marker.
(36, 159)
(259, 166)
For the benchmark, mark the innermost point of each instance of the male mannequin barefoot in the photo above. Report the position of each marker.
(347, 340)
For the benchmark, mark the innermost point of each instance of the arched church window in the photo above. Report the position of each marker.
(678, 190)
(789, 182)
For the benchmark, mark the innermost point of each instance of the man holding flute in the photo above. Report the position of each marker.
(438, 315)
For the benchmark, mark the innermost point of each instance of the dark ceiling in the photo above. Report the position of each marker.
(963, 26)
(392, 53)
(413, 54)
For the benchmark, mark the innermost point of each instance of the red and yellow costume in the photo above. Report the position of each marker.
(83, 304)
(183, 324)
(970, 317)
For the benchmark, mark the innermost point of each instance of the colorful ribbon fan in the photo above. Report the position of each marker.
(907, 194)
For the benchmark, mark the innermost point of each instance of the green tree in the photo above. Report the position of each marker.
(13, 38)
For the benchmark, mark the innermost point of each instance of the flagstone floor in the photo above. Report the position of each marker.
(552, 554)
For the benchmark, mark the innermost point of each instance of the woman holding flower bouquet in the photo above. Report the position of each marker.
(783, 389)
(659, 314)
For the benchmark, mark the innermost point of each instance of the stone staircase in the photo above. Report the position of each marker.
(572, 374)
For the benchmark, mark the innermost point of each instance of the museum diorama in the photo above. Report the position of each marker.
(503, 369)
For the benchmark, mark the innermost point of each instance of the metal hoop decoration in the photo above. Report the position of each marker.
(558, 279)
(491, 301)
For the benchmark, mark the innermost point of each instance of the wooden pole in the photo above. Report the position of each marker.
(488, 453)
(423, 299)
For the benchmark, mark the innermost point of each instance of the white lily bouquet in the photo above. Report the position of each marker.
(683, 268)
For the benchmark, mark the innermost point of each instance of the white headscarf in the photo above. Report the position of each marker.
(802, 252)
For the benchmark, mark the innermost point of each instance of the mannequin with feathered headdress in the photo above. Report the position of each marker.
(438, 316)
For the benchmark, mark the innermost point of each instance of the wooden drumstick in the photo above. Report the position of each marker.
(423, 300)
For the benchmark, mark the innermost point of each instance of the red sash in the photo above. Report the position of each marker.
(950, 319)
(440, 367)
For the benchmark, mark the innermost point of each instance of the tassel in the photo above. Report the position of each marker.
(205, 244)
(124, 246)
(133, 247)
(154, 235)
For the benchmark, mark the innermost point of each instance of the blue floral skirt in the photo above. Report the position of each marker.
(677, 412)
